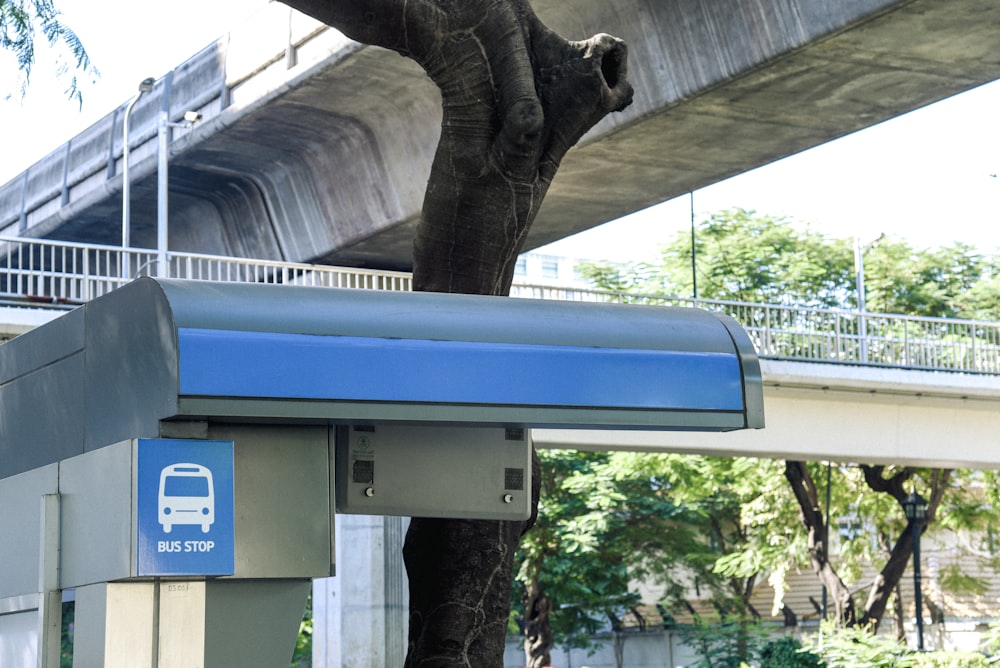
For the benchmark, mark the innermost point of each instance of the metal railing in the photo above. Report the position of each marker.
(38, 272)
(829, 335)
(63, 274)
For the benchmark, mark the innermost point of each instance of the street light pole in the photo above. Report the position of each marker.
(144, 87)
(162, 181)
(915, 507)
(694, 254)
(859, 278)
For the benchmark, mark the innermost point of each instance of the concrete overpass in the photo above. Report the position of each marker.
(847, 414)
(316, 148)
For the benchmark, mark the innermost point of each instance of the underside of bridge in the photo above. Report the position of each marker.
(331, 164)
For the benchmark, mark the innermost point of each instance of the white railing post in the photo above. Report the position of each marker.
(85, 283)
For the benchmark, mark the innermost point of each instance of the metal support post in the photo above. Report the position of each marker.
(162, 180)
(49, 594)
(917, 594)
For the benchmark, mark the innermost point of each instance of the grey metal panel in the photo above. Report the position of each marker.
(434, 316)
(284, 523)
(42, 346)
(42, 414)
(252, 624)
(471, 472)
(97, 534)
(20, 521)
(19, 632)
(131, 364)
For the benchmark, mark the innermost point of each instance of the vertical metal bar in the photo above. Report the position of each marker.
(972, 348)
(224, 96)
(917, 594)
(162, 176)
(22, 220)
(906, 342)
(290, 54)
(162, 189)
(126, 184)
(50, 597)
(110, 174)
(64, 199)
(85, 288)
(694, 254)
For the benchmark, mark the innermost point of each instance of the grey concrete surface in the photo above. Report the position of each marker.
(314, 148)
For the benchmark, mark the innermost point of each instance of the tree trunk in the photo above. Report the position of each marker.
(887, 579)
(537, 630)
(515, 98)
(798, 476)
(898, 616)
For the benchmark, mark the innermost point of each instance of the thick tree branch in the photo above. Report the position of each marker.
(804, 490)
(888, 578)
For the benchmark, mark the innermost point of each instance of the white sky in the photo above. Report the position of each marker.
(926, 177)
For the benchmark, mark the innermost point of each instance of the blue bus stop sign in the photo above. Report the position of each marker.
(185, 507)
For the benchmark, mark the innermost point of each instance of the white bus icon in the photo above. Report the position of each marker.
(187, 496)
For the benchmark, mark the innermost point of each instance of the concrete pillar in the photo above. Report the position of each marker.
(114, 625)
(360, 616)
(188, 624)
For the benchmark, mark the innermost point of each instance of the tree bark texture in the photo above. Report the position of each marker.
(888, 578)
(515, 98)
(537, 630)
(804, 488)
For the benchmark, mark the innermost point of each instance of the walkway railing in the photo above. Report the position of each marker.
(828, 335)
(36, 272)
(63, 274)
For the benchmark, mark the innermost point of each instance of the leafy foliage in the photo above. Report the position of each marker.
(302, 656)
(859, 649)
(24, 21)
(745, 256)
(742, 256)
(719, 525)
(587, 522)
(787, 652)
(729, 643)
(608, 520)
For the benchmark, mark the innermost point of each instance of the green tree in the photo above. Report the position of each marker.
(742, 256)
(925, 282)
(22, 22)
(857, 648)
(571, 573)
(746, 257)
(610, 519)
(749, 257)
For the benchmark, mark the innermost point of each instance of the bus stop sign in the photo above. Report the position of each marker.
(184, 507)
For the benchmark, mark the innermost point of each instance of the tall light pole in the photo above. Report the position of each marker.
(162, 185)
(915, 507)
(859, 279)
(694, 254)
(144, 87)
